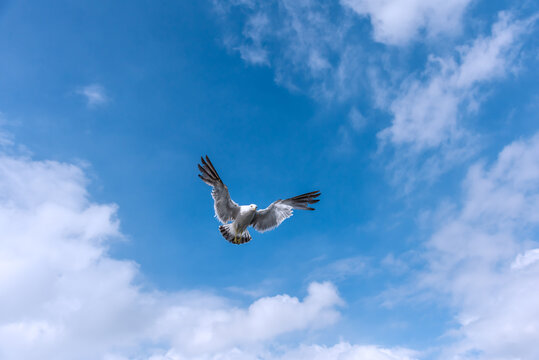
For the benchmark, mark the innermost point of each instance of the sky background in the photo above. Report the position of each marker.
(416, 119)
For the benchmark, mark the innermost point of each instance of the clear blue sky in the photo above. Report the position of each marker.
(415, 119)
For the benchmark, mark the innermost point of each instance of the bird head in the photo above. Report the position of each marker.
(253, 207)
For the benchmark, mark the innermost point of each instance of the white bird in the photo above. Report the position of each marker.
(247, 215)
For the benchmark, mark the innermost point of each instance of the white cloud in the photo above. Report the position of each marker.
(483, 259)
(66, 298)
(526, 259)
(396, 22)
(206, 330)
(427, 112)
(94, 95)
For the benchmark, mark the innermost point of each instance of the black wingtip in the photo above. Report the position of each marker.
(307, 196)
(208, 170)
(211, 168)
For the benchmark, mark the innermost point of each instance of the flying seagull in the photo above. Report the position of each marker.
(248, 215)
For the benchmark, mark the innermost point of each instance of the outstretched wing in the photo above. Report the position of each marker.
(225, 208)
(280, 210)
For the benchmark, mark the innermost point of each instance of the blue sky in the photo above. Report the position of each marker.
(416, 119)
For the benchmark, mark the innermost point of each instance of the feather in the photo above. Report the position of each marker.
(225, 208)
(280, 210)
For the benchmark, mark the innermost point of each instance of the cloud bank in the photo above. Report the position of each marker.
(65, 297)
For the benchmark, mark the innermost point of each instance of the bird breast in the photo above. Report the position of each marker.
(245, 217)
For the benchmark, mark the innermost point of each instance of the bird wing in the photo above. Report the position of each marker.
(225, 208)
(280, 210)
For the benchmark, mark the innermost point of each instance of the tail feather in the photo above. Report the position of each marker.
(229, 233)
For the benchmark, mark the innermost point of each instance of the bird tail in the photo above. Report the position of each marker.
(230, 234)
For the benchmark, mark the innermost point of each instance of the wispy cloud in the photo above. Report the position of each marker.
(94, 94)
(427, 128)
(6, 139)
(315, 48)
(303, 44)
(426, 113)
(347, 132)
(483, 258)
(342, 269)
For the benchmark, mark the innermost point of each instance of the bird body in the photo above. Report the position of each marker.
(248, 215)
(236, 232)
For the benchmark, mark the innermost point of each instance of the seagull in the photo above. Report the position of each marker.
(243, 216)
